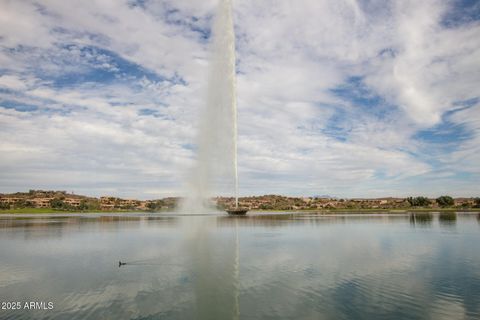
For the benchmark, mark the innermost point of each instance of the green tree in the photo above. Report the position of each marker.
(155, 205)
(57, 203)
(4, 206)
(419, 201)
(411, 201)
(264, 206)
(23, 203)
(94, 204)
(29, 204)
(83, 205)
(88, 204)
(477, 202)
(445, 201)
(151, 206)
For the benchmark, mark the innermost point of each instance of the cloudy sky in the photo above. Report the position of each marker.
(351, 98)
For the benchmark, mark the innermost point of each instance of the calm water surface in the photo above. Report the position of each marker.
(304, 266)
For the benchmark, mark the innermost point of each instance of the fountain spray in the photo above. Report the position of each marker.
(217, 135)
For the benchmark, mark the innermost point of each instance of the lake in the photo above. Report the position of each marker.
(263, 266)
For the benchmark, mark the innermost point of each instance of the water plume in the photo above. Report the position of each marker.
(215, 171)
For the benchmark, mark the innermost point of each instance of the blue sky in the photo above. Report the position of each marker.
(348, 98)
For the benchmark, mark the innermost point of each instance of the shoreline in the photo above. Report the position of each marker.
(313, 211)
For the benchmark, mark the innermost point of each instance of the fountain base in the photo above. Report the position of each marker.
(237, 211)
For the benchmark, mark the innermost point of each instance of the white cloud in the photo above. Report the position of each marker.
(12, 82)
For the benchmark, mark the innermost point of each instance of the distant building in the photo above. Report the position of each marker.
(73, 202)
(42, 202)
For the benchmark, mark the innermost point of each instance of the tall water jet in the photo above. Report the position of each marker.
(216, 167)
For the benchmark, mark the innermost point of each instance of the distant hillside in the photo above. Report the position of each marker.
(62, 200)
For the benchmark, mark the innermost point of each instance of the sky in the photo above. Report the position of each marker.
(348, 98)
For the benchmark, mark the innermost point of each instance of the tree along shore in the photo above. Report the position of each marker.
(313, 211)
(39, 201)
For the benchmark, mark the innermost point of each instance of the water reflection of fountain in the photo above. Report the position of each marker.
(236, 273)
(214, 261)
